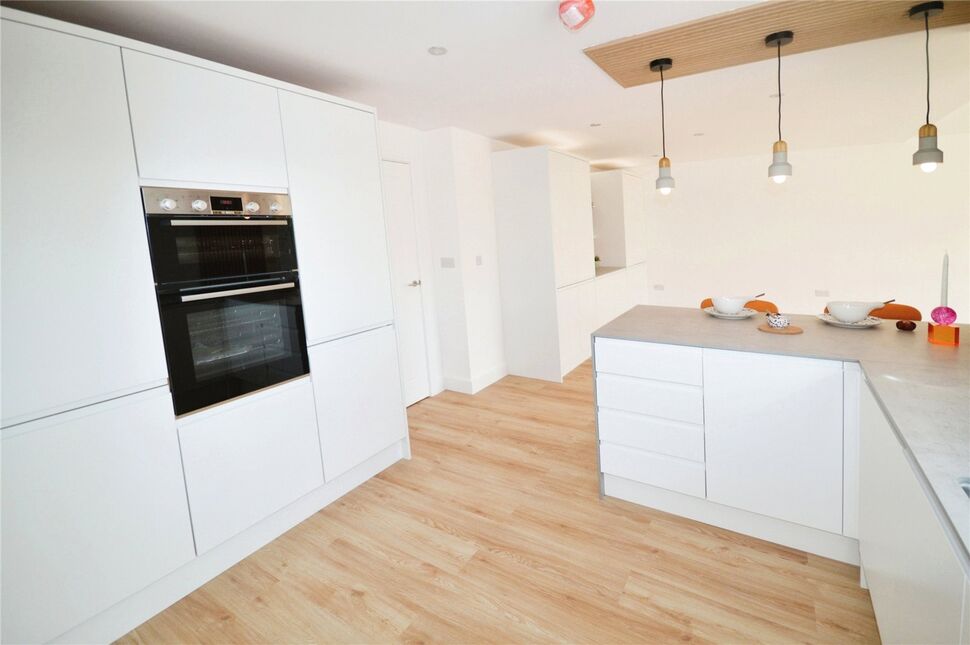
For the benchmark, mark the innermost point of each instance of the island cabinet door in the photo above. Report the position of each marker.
(773, 434)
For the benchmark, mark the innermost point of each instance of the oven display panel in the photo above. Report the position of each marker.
(226, 204)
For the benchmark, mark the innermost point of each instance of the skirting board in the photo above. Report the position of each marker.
(131, 612)
(477, 383)
(823, 543)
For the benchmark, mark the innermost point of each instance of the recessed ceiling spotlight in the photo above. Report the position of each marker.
(437, 51)
(775, 95)
(698, 134)
(595, 125)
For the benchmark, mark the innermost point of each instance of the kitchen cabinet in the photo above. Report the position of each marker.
(544, 229)
(773, 431)
(94, 510)
(576, 309)
(636, 282)
(338, 217)
(246, 459)
(357, 388)
(570, 201)
(619, 218)
(915, 580)
(612, 296)
(80, 324)
(196, 125)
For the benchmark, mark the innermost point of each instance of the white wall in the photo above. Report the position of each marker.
(403, 144)
(461, 217)
(860, 222)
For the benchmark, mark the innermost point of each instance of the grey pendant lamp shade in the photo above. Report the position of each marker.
(928, 155)
(665, 181)
(780, 169)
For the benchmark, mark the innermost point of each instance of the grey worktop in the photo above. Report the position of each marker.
(923, 389)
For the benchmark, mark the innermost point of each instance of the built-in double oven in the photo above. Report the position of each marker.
(228, 292)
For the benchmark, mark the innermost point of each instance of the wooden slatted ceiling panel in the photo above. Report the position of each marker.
(737, 37)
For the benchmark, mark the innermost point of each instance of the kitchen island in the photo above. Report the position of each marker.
(833, 441)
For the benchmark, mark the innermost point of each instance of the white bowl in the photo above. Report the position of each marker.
(852, 311)
(729, 304)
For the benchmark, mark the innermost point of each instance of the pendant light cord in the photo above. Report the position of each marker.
(926, 22)
(663, 122)
(779, 90)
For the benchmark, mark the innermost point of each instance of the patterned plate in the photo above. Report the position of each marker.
(741, 315)
(871, 321)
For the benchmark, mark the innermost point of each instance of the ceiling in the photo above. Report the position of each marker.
(513, 73)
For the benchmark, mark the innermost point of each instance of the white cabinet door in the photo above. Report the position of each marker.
(196, 125)
(358, 394)
(572, 218)
(612, 296)
(249, 458)
(80, 323)
(338, 217)
(636, 281)
(915, 580)
(93, 510)
(773, 432)
(576, 310)
(634, 219)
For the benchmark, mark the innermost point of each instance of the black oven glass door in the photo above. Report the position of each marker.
(206, 249)
(227, 343)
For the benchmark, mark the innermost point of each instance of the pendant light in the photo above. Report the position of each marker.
(928, 155)
(665, 182)
(780, 169)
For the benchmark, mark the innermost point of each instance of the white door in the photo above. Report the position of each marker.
(406, 288)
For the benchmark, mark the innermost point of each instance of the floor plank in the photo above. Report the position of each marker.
(494, 532)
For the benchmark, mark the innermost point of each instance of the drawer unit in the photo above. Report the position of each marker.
(672, 438)
(654, 469)
(673, 363)
(655, 398)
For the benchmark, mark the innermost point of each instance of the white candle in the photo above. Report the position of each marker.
(946, 272)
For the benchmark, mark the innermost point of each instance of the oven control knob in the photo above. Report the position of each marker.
(275, 207)
(168, 204)
(252, 207)
(199, 205)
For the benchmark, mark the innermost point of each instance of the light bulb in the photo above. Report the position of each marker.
(665, 190)
(929, 166)
(779, 179)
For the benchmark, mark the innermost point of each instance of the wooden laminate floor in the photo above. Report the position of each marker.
(494, 532)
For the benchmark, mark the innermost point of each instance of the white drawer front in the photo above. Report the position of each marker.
(665, 400)
(673, 363)
(684, 440)
(650, 468)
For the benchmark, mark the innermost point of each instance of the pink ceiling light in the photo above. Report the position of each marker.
(574, 14)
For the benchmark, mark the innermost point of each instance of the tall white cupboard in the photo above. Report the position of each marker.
(113, 508)
(80, 323)
(619, 218)
(544, 223)
(338, 216)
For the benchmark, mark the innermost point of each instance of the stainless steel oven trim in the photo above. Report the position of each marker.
(236, 292)
(230, 222)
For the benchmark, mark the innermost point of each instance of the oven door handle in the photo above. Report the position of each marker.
(236, 292)
(229, 222)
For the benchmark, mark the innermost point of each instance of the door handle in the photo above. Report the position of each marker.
(236, 292)
(414, 283)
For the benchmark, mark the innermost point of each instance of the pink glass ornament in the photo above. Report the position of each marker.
(943, 316)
